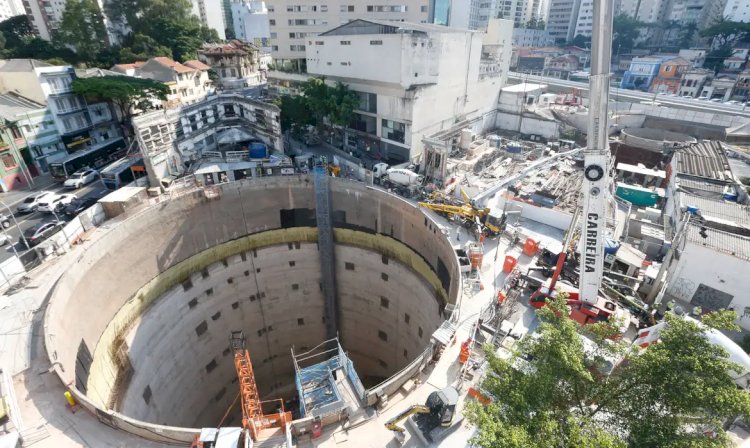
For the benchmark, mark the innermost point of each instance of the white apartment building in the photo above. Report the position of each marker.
(81, 125)
(482, 11)
(585, 19)
(527, 37)
(737, 11)
(187, 82)
(295, 24)
(454, 13)
(704, 13)
(46, 15)
(562, 18)
(10, 8)
(212, 14)
(250, 23)
(413, 79)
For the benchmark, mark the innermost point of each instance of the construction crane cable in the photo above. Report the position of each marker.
(226, 414)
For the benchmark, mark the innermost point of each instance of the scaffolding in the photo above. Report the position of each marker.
(325, 249)
(319, 380)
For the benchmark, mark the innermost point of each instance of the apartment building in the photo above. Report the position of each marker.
(482, 11)
(237, 64)
(211, 13)
(188, 82)
(81, 125)
(10, 8)
(585, 19)
(737, 11)
(412, 79)
(527, 37)
(562, 18)
(221, 127)
(294, 25)
(250, 22)
(46, 15)
(453, 13)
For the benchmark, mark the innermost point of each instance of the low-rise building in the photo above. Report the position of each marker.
(734, 64)
(670, 76)
(188, 82)
(741, 90)
(33, 133)
(80, 124)
(696, 56)
(413, 79)
(719, 87)
(642, 72)
(710, 232)
(562, 66)
(692, 82)
(223, 126)
(237, 64)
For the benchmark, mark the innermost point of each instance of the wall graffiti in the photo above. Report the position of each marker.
(710, 298)
(682, 289)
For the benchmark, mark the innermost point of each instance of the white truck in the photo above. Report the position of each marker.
(404, 181)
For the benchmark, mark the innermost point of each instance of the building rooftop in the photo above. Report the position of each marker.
(196, 64)
(231, 47)
(174, 65)
(134, 65)
(523, 88)
(22, 65)
(719, 240)
(371, 26)
(95, 73)
(703, 159)
(12, 105)
(712, 208)
(700, 186)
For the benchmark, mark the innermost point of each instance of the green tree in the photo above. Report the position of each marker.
(581, 41)
(726, 32)
(625, 31)
(170, 23)
(36, 48)
(15, 30)
(126, 93)
(82, 27)
(295, 114)
(341, 104)
(139, 47)
(716, 57)
(687, 34)
(552, 394)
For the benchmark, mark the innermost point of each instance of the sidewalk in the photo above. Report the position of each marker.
(13, 197)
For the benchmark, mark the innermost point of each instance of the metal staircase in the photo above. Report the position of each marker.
(325, 249)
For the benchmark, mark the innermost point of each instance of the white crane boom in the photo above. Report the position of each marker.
(596, 155)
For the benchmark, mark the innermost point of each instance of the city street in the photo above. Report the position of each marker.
(95, 189)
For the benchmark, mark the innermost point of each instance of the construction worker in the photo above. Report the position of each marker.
(458, 233)
(670, 305)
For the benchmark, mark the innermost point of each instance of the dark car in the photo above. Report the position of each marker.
(77, 206)
(40, 232)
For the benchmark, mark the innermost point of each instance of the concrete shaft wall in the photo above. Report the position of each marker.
(134, 252)
(181, 343)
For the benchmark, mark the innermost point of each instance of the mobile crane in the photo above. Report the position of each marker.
(467, 211)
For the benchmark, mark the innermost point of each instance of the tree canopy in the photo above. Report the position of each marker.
(555, 393)
(726, 32)
(125, 92)
(82, 27)
(625, 32)
(319, 104)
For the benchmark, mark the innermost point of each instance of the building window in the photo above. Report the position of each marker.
(346, 8)
(393, 130)
(384, 302)
(383, 335)
(376, 42)
(349, 266)
(345, 42)
(9, 162)
(272, 22)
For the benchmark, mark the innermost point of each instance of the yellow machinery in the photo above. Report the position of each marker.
(470, 215)
(438, 410)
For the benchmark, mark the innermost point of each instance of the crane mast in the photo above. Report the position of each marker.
(596, 155)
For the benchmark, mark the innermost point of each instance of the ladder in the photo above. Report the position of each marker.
(326, 249)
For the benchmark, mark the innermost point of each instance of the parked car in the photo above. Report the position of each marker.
(5, 220)
(55, 203)
(77, 206)
(5, 238)
(31, 203)
(732, 103)
(715, 100)
(81, 178)
(42, 231)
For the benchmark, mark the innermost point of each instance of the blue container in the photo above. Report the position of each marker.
(258, 151)
(611, 246)
(513, 149)
(693, 210)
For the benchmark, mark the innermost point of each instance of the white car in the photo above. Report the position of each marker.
(80, 178)
(715, 100)
(702, 98)
(54, 203)
(732, 103)
(31, 203)
(5, 238)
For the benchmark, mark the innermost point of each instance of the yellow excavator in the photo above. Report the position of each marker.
(438, 410)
